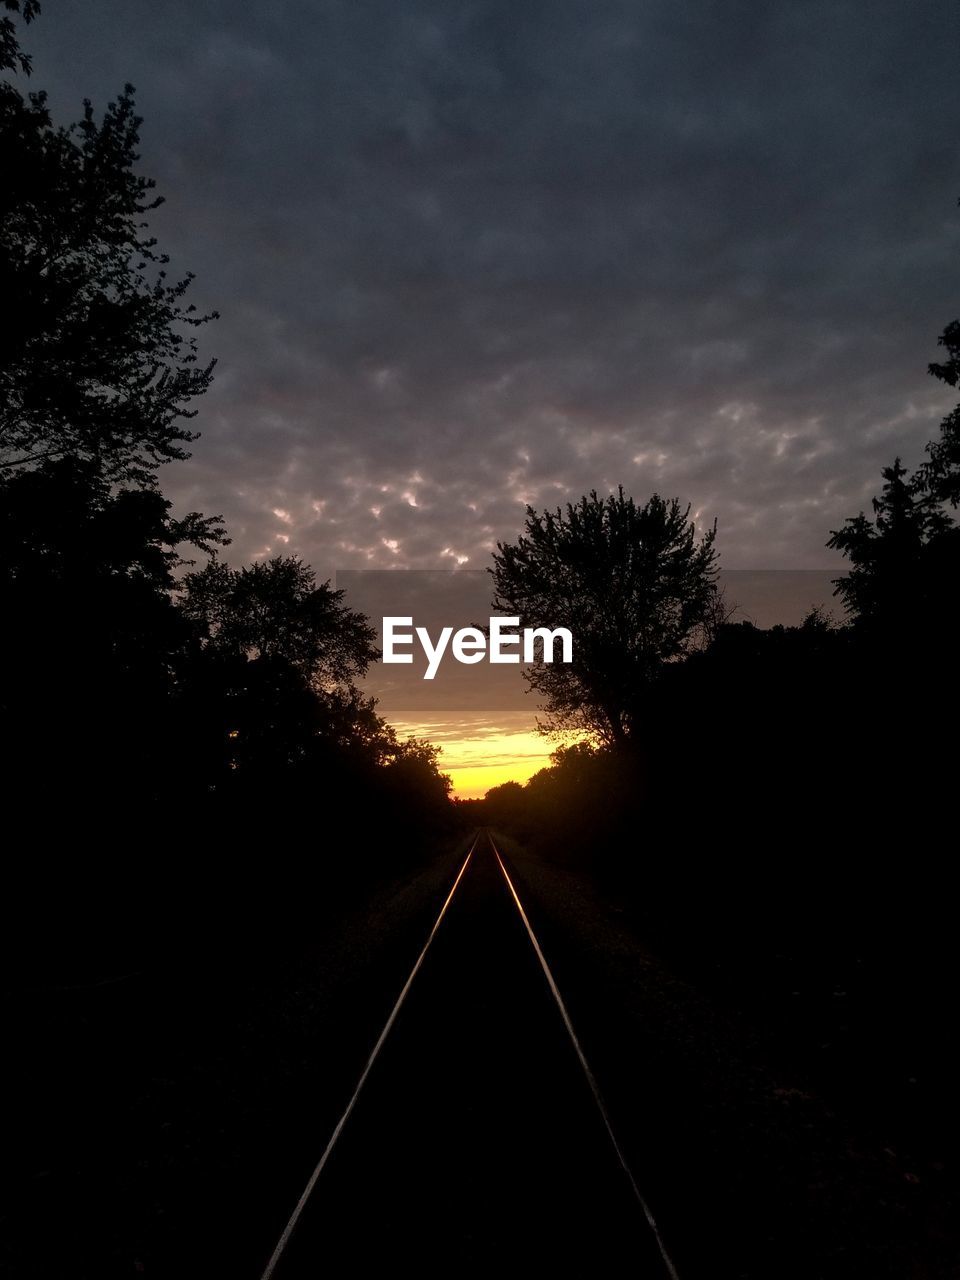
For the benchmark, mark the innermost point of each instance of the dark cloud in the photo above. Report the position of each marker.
(470, 256)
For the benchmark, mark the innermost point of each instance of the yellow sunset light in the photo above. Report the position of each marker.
(478, 755)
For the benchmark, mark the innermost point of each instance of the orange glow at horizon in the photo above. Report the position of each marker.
(473, 781)
(479, 755)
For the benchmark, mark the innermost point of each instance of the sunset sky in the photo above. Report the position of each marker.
(481, 716)
(473, 256)
(478, 754)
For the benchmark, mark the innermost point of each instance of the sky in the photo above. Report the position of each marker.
(482, 717)
(470, 256)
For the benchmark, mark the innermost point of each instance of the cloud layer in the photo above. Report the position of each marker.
(473, 256)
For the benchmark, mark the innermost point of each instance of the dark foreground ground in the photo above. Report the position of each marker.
(752, 1169)
(477, 1143)
(164, 1121)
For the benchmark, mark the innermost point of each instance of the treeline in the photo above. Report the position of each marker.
(134, 684)
(774, 808)
(170, 726)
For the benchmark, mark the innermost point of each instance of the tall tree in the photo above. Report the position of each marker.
(274, 610)
(98, 350)
(634, 585)
(894, 577)
(275, 675)
(98, 366)
(941, 473)
(12, 57)
(88, 659)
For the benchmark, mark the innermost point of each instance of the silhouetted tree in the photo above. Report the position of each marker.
(942, 470)
(98, 365)
(896, 581)
(12, 57)
(351, 724)
(150, 730)
(632, 583)
(98, 355)
(89, 654)
(273, 682)
(506, 806)
(274, 610)
(414, 773)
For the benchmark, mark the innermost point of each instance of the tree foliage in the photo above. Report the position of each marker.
(123, 680)
(895, 561)
(274, 610)
(272, 685)
(12, 57)
(941, 474)
(93, 644)
(65, 521)
(98, 359)
(633, 584)
(901, 587)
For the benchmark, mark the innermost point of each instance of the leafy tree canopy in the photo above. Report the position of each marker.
(12, 57)
(941, 474)
(633, 584)
(98, 358)
(901, 587)
(275, 610)
(64, 522)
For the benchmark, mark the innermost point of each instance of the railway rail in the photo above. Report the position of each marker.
(485, 935)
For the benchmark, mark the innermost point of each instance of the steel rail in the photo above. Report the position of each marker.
(312, 1181)
(591, 1078)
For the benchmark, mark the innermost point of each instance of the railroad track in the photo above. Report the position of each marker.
(476, 1098)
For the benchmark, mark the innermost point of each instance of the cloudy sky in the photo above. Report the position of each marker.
(472, 255)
